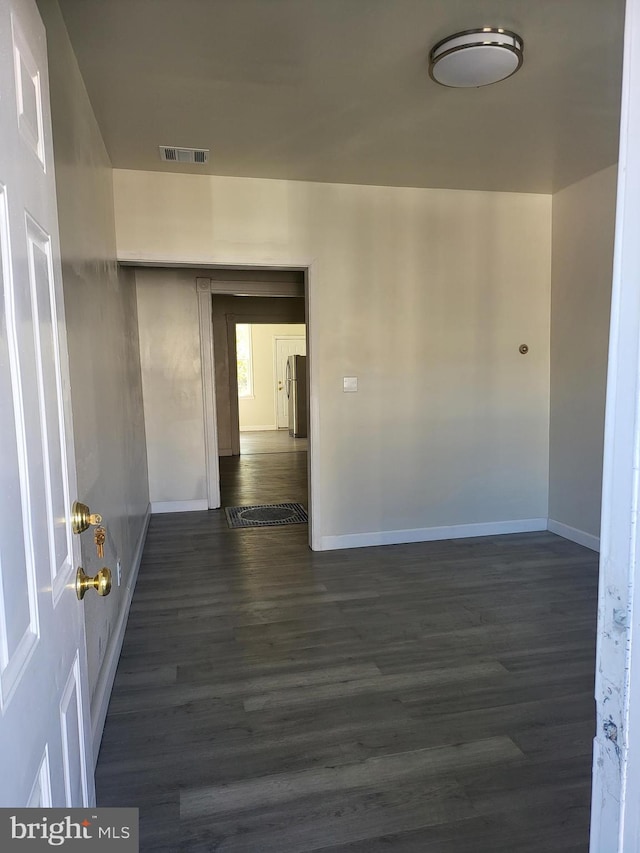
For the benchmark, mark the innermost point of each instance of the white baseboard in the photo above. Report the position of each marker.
(430, 534)
(178, 506)
(102, 694)
(269, 428)
(575, 535)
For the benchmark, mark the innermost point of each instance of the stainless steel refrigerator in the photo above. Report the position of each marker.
(296, 386)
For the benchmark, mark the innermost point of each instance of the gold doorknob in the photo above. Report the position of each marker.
(101, 582)
(82, 517)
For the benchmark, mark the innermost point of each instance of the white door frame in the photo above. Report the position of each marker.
(205, 318)
(615, 816)
(205, 287)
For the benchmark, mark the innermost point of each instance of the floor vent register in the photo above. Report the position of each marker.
(267, 515)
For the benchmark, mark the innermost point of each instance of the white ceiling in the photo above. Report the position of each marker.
(338, 90)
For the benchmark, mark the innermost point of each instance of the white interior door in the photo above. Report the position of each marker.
(45, 746)
(285, 346)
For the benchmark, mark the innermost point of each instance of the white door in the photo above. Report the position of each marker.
(45, 747)
(285, 346)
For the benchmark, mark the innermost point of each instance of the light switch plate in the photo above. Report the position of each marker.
(350, 384)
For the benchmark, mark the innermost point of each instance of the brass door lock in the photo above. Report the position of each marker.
(101, 582)
(82, 517)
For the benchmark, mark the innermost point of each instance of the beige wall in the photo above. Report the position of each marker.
(172, 384)
(425, 295)
(260, 410)
(583, 226)
(103, 350)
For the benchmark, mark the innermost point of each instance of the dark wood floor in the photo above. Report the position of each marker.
(428, 698)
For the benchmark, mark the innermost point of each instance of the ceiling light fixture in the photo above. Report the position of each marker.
(475, 58)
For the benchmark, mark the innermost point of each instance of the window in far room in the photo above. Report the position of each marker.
(244, 360)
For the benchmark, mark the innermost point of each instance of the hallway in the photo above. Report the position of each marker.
(424, 698)
(272, 468)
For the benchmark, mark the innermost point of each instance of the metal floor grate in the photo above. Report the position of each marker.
(266, 515)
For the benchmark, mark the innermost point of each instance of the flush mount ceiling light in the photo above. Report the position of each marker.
(475, 58)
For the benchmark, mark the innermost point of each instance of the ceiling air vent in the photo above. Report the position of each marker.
(171, 154)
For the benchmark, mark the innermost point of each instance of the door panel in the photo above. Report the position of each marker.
(44, 719)
(285, 346)
(40, 796)
(19, 628)
(71, 726)
(43, 314)
(28, 92)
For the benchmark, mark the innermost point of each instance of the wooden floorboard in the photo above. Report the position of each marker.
(270, 441)
(423, 698)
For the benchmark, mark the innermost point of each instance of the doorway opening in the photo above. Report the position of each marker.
(261, 376)
(267, 366)
(272, 416)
